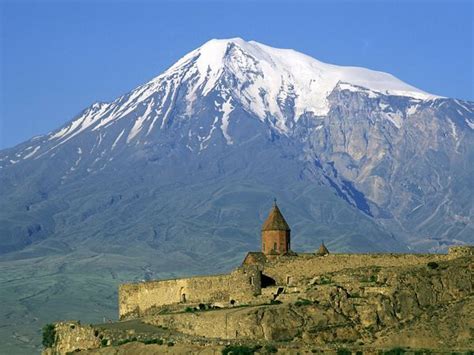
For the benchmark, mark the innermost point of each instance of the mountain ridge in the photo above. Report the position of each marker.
(149, 186)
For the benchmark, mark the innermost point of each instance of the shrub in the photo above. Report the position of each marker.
(49, 334)
(124, 341)
(395, 351)
(275, 302)
(271, 349)
(153, 341)
(325, 280)
(303, 302)
(343, 351)
(372, 278)
(428, 352)
(432, 265)
(170, 343)
(189, 309)
(104, 342)
(238, 350)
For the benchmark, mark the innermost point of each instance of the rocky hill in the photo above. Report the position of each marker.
(420, 305)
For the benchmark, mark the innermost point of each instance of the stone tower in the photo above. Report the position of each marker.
(275, 233)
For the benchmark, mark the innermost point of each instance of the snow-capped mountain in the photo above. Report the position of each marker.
(395, 158)
(278, 85)
(176, 177)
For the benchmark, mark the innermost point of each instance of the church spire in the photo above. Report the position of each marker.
(275, 220)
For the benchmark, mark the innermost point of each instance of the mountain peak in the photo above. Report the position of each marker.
(266, 77)
(274, 85)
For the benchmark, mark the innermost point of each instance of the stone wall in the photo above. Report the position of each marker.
(244, 283)
(138, 299)
(298, 269)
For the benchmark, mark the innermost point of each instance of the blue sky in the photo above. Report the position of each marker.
(57, 58)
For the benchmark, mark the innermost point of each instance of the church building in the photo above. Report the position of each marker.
(275, 233)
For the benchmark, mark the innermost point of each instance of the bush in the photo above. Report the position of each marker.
(303, 302)
(343, 352)
(238, 350)
(271, 349)
(395, 351)
(372, 278)
(432, 265)
(325, 280)
(170, 343)
(152, 341)
(104, 342)
(189, 309)
(49, 335)
(275, 302)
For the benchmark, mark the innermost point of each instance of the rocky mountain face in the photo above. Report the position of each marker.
(176, 176)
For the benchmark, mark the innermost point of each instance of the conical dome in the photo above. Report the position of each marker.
(275, 221)
(322, 250)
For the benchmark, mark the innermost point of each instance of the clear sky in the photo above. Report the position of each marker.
(57, 58)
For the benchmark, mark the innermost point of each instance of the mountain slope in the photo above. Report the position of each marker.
(177, 176)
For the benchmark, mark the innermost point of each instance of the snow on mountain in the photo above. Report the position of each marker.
(280, 73)
(280, 84)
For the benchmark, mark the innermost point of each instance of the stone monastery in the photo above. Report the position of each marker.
(276, 273)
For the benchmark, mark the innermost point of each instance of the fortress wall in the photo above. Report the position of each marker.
(307, 266)
(139, 298)
(244, 283)
(233, 323)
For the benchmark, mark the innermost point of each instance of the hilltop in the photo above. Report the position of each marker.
(368, 303)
